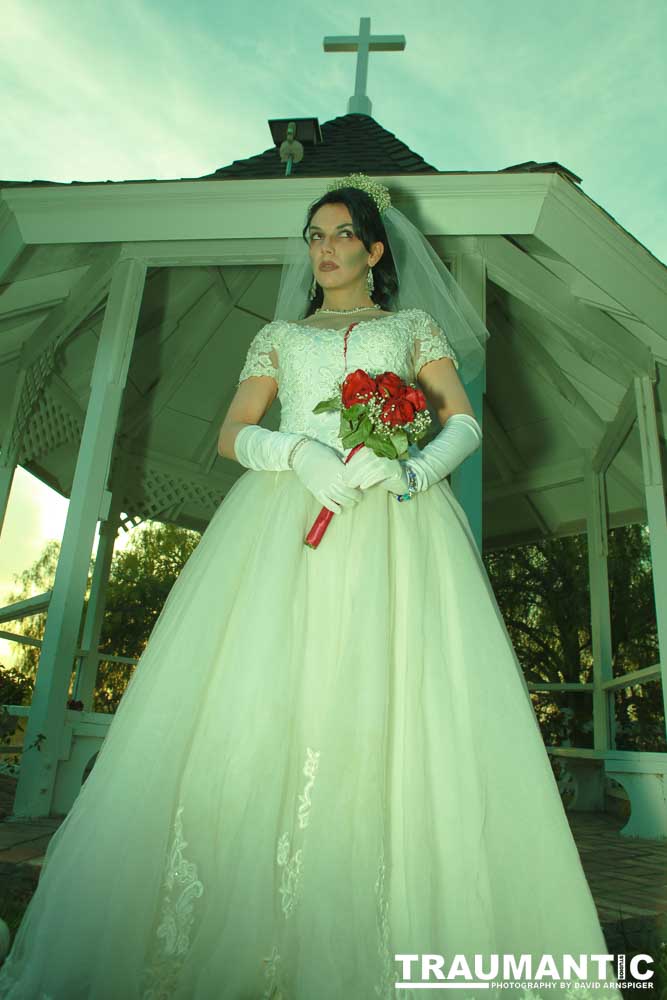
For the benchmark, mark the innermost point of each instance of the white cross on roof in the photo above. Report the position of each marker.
(362, 44)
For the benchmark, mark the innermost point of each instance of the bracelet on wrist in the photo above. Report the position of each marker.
(290, 457)
(412, 484)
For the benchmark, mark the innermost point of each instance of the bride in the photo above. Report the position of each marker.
(326, 758)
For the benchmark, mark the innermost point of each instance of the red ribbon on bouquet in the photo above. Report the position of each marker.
(314, 536)
(383, 412)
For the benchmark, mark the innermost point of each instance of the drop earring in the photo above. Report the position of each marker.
(370, 282)
(313, 288)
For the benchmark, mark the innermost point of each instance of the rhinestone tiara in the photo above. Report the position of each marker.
(378, 192)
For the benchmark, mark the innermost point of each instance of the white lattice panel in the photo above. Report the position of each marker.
(160, 493)
(48, 427)
(35, 379)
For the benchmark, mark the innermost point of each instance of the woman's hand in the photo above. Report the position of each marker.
(320, 469)
(366, 469)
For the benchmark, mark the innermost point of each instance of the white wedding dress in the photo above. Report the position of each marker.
(325, 757)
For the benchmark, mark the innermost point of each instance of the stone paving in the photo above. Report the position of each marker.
(627, 876)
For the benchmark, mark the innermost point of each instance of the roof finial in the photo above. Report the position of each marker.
(362, 44)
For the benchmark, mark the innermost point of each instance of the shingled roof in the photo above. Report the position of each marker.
(350, 143)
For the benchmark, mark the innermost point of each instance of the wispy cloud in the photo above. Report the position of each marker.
(167, 100)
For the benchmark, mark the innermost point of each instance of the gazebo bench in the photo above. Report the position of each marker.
(643, 776)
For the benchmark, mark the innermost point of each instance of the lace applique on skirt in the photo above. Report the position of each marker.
(291, 875)
(181, 888)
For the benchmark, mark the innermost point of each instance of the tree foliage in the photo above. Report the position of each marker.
(139, 583)
(141, 577)
(541, 589)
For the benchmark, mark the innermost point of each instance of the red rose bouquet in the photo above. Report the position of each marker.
(383, 413)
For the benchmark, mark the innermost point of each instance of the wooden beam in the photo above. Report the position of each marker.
(597, 534)
(186, 316)
(15, 331)
(201, 325)
(25, 608)
(524, 278)
(616, 432)
(535, 480)
(578, 410)
(39, 769)
(12, 243)
(206, 452)
(575, 227)
(64, 395)
(656, 514)
(83, 298)
(567, 529)
(582, 417)
(505, 455)
(511, 464)
(208, 253)
(590, 353)
(466, 479)
(87, 656)
(21, 298)
(484, 202)
(215, 305)
(37, 360)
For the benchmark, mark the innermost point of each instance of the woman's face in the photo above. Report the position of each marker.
(332, 240)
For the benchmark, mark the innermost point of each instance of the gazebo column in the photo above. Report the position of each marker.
(39, 352)
(11, 443)
(7, 469)
(604, 723)
(655, 513)
(44, 730)
(466, 481)
(88, 662)
(29, 387)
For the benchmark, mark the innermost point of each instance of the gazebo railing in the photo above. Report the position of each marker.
(643, 776)
(33, 606)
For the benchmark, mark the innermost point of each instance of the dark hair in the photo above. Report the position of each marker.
(367, 225)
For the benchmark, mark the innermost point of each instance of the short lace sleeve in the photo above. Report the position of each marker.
(430, 342)
(262, 356)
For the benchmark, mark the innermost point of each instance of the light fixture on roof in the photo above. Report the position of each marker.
(291, 135)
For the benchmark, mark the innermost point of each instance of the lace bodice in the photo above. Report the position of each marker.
(307, 362)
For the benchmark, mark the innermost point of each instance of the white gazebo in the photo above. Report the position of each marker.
(126, 310)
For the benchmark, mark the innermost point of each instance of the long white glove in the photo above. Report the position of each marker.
(318, 466)
(460, 437)
(259, 448)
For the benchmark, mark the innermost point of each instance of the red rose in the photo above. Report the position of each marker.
(416, 397)
(397, 411)
(358, 387)
(389, 385)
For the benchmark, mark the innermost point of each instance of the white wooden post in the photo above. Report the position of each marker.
(88, 662)
(7, 468)
(655, 513)
(11, 239)
(596, 521)
(467, 480)
(39, 763)
(10, 446)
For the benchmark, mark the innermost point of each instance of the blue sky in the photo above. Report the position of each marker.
(134, 89)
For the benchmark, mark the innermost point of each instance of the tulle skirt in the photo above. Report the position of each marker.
(324, 759)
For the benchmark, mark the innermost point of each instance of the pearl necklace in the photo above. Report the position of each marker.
(375, 305)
